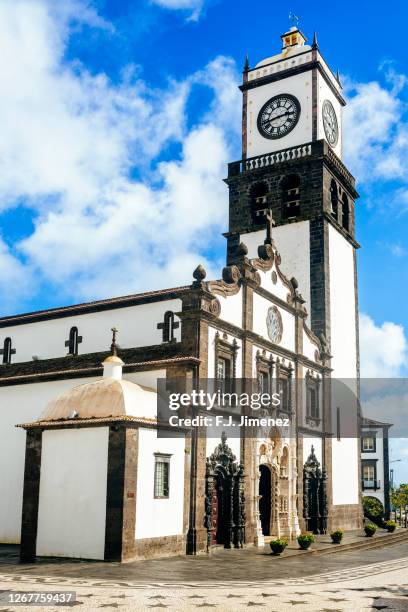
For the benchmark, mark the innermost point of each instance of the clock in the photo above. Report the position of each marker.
(330, 124)
(274, 325)
(278, 116)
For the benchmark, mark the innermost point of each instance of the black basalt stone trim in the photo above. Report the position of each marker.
(319, 277)
(282, 74)
(315, 106)
(315, 172)
(31, 495)
(386, 458)
(70, 364)
(115, 493)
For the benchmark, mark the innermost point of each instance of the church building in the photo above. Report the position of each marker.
(84, 472)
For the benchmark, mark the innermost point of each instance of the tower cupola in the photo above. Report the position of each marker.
(293, 38)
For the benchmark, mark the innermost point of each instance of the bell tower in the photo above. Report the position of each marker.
(292, 165)
(291, 98)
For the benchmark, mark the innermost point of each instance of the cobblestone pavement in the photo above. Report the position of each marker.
(361, 580)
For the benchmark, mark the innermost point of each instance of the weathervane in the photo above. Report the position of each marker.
(294, 19)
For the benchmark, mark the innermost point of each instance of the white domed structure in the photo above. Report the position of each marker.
(108, 397)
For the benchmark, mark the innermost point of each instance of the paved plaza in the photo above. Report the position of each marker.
(233, 580)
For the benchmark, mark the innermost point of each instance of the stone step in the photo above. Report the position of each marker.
(373, 542)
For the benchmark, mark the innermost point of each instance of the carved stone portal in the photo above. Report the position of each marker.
(224, 498)
(314, 495)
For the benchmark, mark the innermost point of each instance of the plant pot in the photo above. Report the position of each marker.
(336, 539)
(277, 547)
(370, 530)
(390, 529)
(369, 533)
(305, 545)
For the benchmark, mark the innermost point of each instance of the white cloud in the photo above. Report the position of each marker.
(138, 233)
(66, 133)
(397, 250)
(193, 6)
(72, 141)
(383, 349)
(376, 129)
(370, 118)
(16, 280)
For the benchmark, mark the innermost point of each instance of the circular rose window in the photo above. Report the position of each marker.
(274, 325)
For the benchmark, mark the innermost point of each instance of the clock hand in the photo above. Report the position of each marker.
(277, 117)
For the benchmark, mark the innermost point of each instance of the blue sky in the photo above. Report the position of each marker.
(118, 119)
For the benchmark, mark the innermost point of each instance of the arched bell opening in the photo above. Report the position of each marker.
(290, 187)
(259, 203)
(345, 209)
(334, 199)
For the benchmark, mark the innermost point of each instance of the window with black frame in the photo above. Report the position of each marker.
(368, 443)
(223, 374)
(312, 399)
(263, 381)
(284, 392)
(161, 476)
(225, 363)
(369, 473)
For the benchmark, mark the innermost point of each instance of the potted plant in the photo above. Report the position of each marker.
(305, 540)
(390, 526)
(370, 530)
(278, 546)
(337, 536)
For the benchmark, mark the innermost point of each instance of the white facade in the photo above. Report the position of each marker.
(342, 307)
(72, 503)
(46, 339)
(324, 92)
(300, 86)
(346, 467)
(261, 306)
(19, 404)
(159, 517)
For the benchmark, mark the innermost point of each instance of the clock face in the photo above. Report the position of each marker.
(278, 116)
(331, 127)
(274, 325)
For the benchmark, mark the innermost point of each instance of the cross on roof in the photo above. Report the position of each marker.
(114, 346)
(7, 351)
(168, 326)
(270, 223)
(73, 341)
